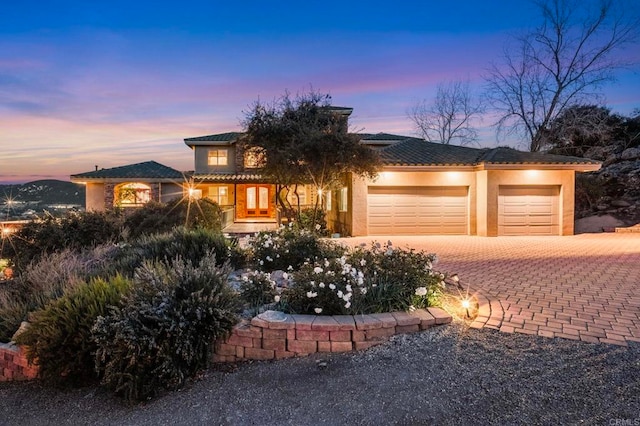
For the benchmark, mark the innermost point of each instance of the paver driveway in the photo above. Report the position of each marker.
(582, 287)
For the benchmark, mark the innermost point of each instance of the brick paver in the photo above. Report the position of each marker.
(583, 287)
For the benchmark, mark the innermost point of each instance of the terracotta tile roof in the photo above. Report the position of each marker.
(148, 170)
(417, 152)
(382, 137)
(228, 177)
(228, 137)
(506, 155)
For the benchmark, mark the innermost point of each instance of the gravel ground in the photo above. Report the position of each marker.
(447, 375)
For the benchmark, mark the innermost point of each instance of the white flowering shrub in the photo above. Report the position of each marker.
(379, 279)
(288, 246)
(257, 289)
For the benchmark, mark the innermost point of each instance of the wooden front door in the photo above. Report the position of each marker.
(257, 200)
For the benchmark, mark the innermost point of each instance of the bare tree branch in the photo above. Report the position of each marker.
(448, 118)
(562, 63)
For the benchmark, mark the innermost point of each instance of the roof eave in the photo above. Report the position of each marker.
(192, 144)
(81, 180)
(578, 167)
(427, 167)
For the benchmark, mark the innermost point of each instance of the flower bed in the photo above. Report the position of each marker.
(274, 335)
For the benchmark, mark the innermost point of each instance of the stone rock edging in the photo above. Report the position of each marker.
(271, 337)
(14, 364)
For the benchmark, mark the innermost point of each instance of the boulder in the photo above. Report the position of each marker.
(620, 203)
(630, 154)
(596, 224)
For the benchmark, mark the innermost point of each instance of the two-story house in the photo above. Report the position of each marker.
(423, 188)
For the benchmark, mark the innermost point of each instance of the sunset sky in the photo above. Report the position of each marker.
(85, 83)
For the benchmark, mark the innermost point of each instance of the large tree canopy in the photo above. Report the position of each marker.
(561, 63)
(305, 141)
(582, 127)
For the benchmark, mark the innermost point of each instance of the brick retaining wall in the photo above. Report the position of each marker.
(14, 365)
(294, 335)
(300, 335)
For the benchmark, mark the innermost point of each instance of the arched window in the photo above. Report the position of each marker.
(132, 194)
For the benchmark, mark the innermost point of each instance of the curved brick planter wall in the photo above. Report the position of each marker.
(297, 335)
(300, 335)
(14, 365)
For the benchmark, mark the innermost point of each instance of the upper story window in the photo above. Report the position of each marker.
(218, 157)
(253, 157)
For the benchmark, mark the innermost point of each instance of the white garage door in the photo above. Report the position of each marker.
(418, 210)
(528, 210)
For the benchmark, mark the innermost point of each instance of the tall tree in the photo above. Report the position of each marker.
(561, 63)
(305, 141)
(448, 117)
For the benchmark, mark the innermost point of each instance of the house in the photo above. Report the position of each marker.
(130, 186)
(423, 188)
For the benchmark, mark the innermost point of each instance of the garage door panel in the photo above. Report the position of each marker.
(418, 210)
(528, 210)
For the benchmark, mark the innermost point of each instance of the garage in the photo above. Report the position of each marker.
(529, 210)
(418, 210)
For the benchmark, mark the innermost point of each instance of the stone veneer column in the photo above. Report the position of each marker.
(155, 191)
(109, 195)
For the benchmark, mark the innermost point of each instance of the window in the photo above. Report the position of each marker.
(302, 196)
(253, 157)
(327, 201)
(343, 201)
(219, 194)
(132, 194)
(217, 157)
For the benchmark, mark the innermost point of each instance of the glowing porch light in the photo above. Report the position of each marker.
(531, 174)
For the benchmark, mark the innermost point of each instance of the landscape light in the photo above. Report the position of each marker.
(466, 304)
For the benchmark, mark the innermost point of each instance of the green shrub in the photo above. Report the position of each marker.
(48, 279)
(73, 231)
(289, 247)
(306, 221)
(59, 338)
(165, 329)
(189, 244)
(155, 218)
(361, 281)
(257, 289)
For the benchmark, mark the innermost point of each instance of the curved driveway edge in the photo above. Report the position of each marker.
(583, 287)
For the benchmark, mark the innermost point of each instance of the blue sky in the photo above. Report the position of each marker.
(113, 83)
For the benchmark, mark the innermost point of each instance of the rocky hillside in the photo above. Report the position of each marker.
(615, 188)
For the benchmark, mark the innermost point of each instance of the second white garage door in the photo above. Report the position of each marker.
(528, 210)
(418, 210)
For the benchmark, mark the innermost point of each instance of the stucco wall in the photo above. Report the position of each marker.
(94, 198)
(170, 191)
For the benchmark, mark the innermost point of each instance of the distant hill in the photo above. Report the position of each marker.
(40, 193)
